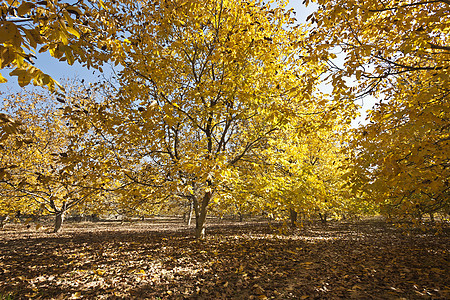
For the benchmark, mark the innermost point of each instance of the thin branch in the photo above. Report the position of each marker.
(408, 5)
(250, 145)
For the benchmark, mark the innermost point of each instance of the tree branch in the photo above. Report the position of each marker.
(408, 5)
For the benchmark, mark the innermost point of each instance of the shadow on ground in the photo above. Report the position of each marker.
(365, 260)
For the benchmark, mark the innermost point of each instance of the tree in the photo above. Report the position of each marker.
(11, 131)
(38, 176)
(402, 154)
(299, 172)
(204, 85)
(398, 52)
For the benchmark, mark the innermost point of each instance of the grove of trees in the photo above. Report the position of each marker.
(221, 106)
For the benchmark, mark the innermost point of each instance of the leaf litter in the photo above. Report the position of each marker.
(252, 260)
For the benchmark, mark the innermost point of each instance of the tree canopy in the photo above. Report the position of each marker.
(220, 106)
(232, 79)
(398, 52)
(62, 29)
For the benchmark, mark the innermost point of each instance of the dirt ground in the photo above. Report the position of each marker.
(160, 259)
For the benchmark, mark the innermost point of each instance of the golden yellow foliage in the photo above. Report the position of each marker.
(40, 175)
(202, 86)
(62, 29)
(398, 52)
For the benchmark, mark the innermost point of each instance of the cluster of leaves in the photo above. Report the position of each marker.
(398, 52)
(298, 174)
(37, 175)
(233, 80)
(64, 30)
(215, 104)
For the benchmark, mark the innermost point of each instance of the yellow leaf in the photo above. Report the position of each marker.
(25, 8)
(68, 18)
(179, 23)
(102, 4)
(8, 32)
(74, 10)
(73, 31)
(100, 272)
(24, 80)
(2, 79)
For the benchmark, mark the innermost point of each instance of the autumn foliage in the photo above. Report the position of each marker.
(219, 107)
(398, 52)
(228, 116)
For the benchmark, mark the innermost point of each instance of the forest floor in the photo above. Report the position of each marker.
(160, 259)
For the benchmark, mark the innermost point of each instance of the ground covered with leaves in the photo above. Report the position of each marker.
(158, 259)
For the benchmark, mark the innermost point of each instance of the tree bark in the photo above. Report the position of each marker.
(293, 215)
(189, 216)
(200, 216)
(3, 220)
(199, 228)
(59, 219)
(239, 213)
(323, 217)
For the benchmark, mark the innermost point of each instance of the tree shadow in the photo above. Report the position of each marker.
(341, 260)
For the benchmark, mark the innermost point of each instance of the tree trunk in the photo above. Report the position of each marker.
(239, 213)
(59, 221)
(323, 217)
(293, 217)
(189, 216)
(200, 216)
(3, 220)
(60, 217)
(199, 228)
